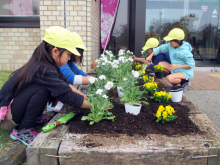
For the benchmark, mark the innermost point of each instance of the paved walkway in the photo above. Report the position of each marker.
(204, 92)
(205, 81)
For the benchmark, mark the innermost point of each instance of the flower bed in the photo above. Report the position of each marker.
(142, 124)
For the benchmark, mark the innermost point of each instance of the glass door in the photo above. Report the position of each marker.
(198, 18)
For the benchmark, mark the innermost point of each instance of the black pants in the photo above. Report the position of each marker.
(28, 105)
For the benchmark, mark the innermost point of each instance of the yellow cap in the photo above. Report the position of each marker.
(151, 43)
(175, 34)
(78, 40)
(61, 38)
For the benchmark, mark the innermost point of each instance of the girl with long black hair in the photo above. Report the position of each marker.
(26, 93)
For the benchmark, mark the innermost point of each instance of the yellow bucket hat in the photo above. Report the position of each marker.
(175, 34)
(61, 38)
(151, 43)
(78, 40)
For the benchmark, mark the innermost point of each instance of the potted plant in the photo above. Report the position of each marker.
(158, 71)
(165, 114)
(132, 95)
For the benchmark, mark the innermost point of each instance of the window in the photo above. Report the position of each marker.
(19, 13)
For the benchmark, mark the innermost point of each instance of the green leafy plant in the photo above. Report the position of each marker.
(165, 114)
(131, 92)
(99, 108)
(161, 97)
(100, 103)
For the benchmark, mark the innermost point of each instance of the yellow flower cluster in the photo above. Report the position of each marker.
(158, 68)
(162, 94)
(148, 78)
(150, 85)
(164, 112)
(138, 66)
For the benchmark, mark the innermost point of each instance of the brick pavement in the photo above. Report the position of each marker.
(205, 81)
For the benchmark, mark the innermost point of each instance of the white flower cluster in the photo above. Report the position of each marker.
(92, 79)
(121, 52)
(123, 59)
(102, 77)
(99, 91)
(135, 73)
(115, 64)
(105, 96)
(109, 85)
(128, 51)
(109, 53)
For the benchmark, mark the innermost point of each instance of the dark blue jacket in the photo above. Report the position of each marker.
(164, 56)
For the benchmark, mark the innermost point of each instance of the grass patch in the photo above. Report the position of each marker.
(4, 134)
(4, 75)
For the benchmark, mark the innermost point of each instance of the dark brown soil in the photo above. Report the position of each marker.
(142, 124)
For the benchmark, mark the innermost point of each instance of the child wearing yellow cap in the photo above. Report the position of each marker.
(182, 62)
(75, 75)
(163, 56)
(25, 95)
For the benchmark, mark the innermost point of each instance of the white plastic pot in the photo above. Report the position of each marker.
(119, 92)
(135, 110)
(176, 93)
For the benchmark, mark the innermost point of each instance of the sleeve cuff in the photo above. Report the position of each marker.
(77, 80)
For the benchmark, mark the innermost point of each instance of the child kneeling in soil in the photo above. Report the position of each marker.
(161, 57)
(25, 95)
(75, 75)
(182, 62)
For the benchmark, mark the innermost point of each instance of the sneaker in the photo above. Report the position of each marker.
(26, 136)
(43, 120)
(185, 86)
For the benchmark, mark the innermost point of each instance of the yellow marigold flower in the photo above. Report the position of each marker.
(143, 72)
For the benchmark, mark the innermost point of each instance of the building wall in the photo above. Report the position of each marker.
(82, 16)
(17, 46)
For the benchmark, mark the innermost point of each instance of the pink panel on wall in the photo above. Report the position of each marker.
(108, 9)
(21, 7)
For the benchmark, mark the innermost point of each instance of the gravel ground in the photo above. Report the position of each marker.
(208, 102)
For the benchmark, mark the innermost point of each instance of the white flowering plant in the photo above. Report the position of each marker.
(131, 92)
(122, 66)
(104, 67)
(127, 53)
(97, 97)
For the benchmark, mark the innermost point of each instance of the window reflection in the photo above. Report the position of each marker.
(19, 7)
(198, 19)
(120, 35)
